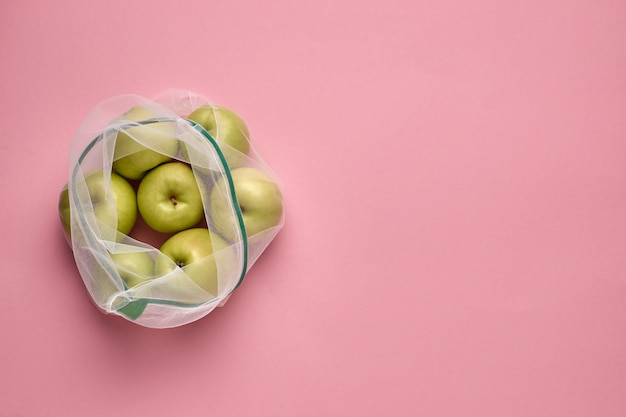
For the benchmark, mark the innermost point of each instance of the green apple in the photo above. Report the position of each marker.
(227, 128)
(259, 198)
(131, 158)
(114, 204)
(169, 199)
(134, 267)
(64, 210)
(193, 250)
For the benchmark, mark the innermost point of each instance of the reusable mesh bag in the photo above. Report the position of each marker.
(125, 272)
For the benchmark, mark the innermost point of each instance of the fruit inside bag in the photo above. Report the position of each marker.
(167, 206)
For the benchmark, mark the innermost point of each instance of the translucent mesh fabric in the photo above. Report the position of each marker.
(163, 293)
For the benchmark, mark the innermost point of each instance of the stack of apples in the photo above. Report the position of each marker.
(160, 183)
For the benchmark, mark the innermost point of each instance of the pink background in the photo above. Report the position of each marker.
(455, 176)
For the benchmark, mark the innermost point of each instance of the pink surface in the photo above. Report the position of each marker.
(455, 176)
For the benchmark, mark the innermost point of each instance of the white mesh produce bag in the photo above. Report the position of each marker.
(132, 147)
